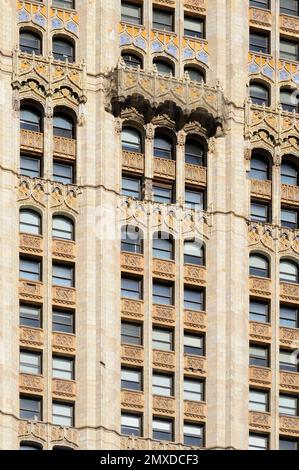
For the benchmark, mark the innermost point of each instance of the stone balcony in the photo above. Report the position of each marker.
(261, 332)
(132, 262)
(65, 389)
(64, 148)
(133, 162)
(163, 315)
(31, 141)
(195, 175)
(289, 381)
(260, 376)
(259, 421)
(133, 309)
(195, 365)
(289, 425)
(30, 383)
(163, 269)
(195, 411)
(260, 287)
(164, 406)
(64, 250)
(163, 360)
(132, 354)
(290, 194)
(31, 244)
(289, 337)
(195, 275)
(289, 292)
(261, 189)
(131, 400)
(64, 296)
(153, 89)
(31, 337)
(64, 343)
(196, 321)
(31, 291)
(164, 168)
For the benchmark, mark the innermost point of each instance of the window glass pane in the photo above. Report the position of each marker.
(63, 368)
(258, 169)
(161, 194)
(259, 43)
(259, 212)
(289, 174)
(193, 435)
(193, 300)
(288, 271)
(288, 317)
(194, 200)
(162, 339)
(162, 429)
(30, 363)
(131, 13)
(193, 390)
(30, 316)
(62, 414)
(63, 276)
(162, 385)
(162, 20)
(131, 187)
(288, 405)
(258, 401)
(131, 334)
(258, 356)
(131, 288)
(30, 270)
(130, 424)
(258, 266)
(30, 166)
(288, 50)
(30, 409)
(131, 139)
(162, 247)
(288, 444)
(259, 311)
(163, 148)
(194, 27)
(63, 50)
(162, 294)
(30, 222)
(63, 228)
(258, 442)
(63, 173)
(130, 379)
(193, 253)
(30, 119)
(131, 239)
(63, 322)
(193, 345)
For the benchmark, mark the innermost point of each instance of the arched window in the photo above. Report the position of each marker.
(194, 253)
(63, 228)
(131, 239)
(30, 42)
(132, 60)
(30, 222)
(30, 446)
(163, 247)
(63, 126)
(195, 74)
(259, 167)
(63, 49)
(259, 94)
(258, 266)
(289, 173)
(131, 140)
(288, 271)
(163, 146)
(30, 119)
(194, 152)
(164, 67)
(289, 100)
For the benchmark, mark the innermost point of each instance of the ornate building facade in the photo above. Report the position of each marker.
(149, 224)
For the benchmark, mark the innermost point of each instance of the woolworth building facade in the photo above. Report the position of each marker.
(149, 205)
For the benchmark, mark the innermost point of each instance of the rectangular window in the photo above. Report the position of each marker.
(30, 269)
(162, 339)
(30, 363)
(131, 288)
(63, 368)
(288, 361)
(289, 7)
(131, 379)
(194, 345)
(63, 275)
(193, 435)
(30, 166)
(193, 299)
(162, 385)
(194, 27)
(30, 316)
(63, 173)
(289, 317)
(259, 43)
(258, 401)
(258, 356)
(259, 212)
(131, 424)
(31, 408)
(288, 50)
(162, 294)
(64, 3)
(162, 19)
(259, 311)
(193, 390)
(194, 200)
(131, 187)
(131, 334)
(163, 194)
(63, 414)
(258, 442)
(63, 322)
(289, 219)
(260, 4)
(131, 13)
(288, 444)
(162, 429)
(288, 405)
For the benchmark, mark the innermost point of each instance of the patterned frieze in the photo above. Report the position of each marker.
(260, 287)
(195, 174)
(31, 337)
(65, 250)
(133, 161)
(289, 425)
(163, 269)
(30, 383)
(132, 354)
(31, 291)
(31, 141)
(65, 343)
(289, 25)
(64, 296)
(261, 189)
(195, 411)
(196, 321)
(289, 381)
(289, 337)
(132, 400)
(163, 360)
(195, 275)
(164, 406)
(163, 314)
(132, 263)
(133, 309)
(65, 389)
(260, 18)
(134, 443)
(259, 421)
(47, 434)
(260, 376)
(261, 332)
(31, 244)
(195, 365)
